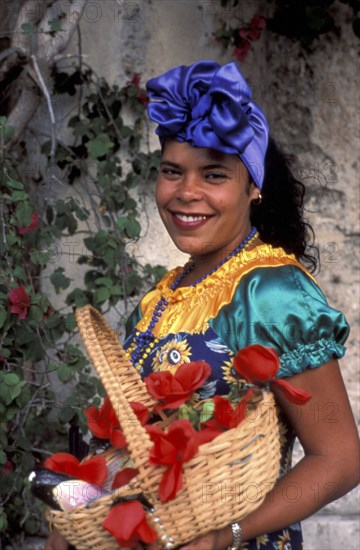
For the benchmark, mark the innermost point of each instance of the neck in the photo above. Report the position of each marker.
(202, 266)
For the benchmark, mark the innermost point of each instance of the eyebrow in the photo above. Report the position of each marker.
(169, 163)
(214, 166)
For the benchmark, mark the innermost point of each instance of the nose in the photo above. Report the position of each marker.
(189, 188)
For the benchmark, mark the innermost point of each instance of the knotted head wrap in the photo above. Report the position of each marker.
(209, 105)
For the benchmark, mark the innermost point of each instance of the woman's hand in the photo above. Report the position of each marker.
(56, 541)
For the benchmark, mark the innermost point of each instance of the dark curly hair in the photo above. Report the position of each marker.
(279, 218)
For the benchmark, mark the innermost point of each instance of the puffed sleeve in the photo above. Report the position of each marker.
(283, 308)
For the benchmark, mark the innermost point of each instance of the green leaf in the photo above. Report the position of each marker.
(19, 272)
(13, 184)
(52, 367)
(55, 25)
(101, 295)
(32, 525)
(11, 379)
(77, 298)
(23, 398)
(41, 258)
(3, 317)
(66, 414)
(59, 281)
(5, 396)
(121, 223)
(3, 521)
(27, 461)
(23, 443)
(207, 411)
(35, 313)
(70, 322)
(27, 28)
(15, 391)
(5, 130)
(105, 281)
(17, 196)
(24, 212)
(100, 146)
(3, 457)
(116, 290)
(132, 228)
(65, 373)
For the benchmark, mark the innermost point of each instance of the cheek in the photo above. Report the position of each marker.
(163, 195)
(158, 193)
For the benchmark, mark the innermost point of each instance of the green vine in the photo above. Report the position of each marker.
(96, 173)
(303, 21)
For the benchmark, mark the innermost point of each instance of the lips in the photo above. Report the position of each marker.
(189, 220)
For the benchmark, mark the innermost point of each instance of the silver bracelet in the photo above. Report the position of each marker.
(237, 536)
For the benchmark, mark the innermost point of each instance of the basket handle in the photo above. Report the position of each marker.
(112, 366)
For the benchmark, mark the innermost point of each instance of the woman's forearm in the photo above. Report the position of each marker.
(310, 485)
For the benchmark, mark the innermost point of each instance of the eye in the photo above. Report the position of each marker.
(216, 177)
(169, 172)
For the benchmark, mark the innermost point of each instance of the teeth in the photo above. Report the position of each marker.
(186, 218)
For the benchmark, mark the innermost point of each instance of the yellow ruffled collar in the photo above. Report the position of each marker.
(228, 271)
(189, 308)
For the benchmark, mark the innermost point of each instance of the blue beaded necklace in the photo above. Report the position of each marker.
(147, 337)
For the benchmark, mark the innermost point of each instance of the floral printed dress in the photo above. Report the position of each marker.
(261, 296)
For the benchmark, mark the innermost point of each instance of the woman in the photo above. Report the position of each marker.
(220, 176)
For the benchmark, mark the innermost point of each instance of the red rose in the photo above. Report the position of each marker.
(172, 390)
(258, 23)
(103, 422)
(172, 449)
(241, 49)
(19, 301)
(259, 365)
(127, 523)
(256, 363)
(33, 225)
(225, 416)
(93, 470)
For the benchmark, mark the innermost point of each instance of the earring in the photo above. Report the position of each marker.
(257, 201)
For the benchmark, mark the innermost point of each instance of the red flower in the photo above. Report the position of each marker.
(140, 93)
(174, 389)
(292, 394)
(7, 468)
(241, 49)
(102, 421)
(19, 301)
(93, 470)
(33, 225)
(225, 417)
(258, 23)
(172, 449)
(127, 523)
(259, 365)
(49, 311)
(104, 424)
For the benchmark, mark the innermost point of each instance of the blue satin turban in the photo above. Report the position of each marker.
(209, 105)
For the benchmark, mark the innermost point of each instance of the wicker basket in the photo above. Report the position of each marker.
(230, 475)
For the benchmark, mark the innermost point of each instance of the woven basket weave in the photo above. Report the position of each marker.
(227, 479)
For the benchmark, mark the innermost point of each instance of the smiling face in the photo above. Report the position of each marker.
(204, 197)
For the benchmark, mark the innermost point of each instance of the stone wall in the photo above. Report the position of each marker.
(311, 101)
